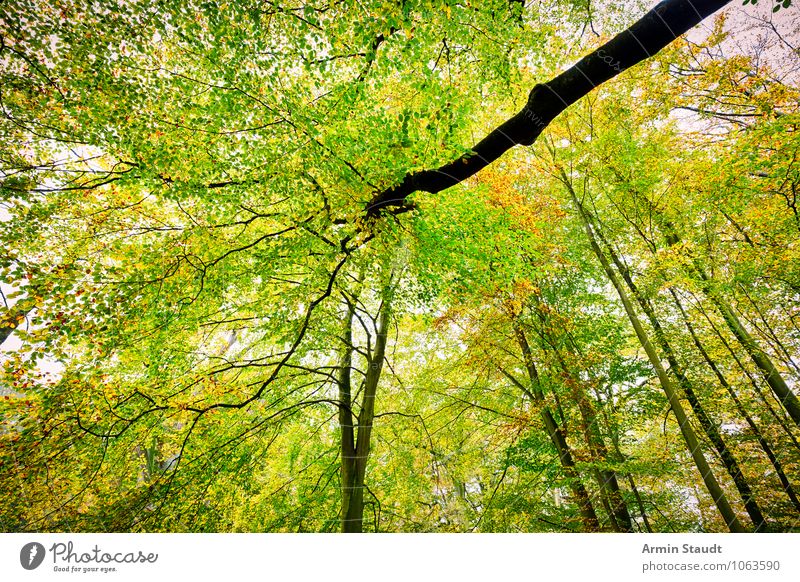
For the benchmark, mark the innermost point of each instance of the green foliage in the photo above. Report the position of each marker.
(182, 195)
(778, 4)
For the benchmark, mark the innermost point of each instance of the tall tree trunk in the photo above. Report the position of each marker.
(762, 441)
(639, 502)
(709, 427)
(356, 440)
(348, 450)
(619, 456)
(557, 434)
(606, 479)
(770, 335)
(710, 481)
(760, 358)
(778, 415)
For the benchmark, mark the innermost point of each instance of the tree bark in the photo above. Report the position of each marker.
(557, 436)
(356, 447)
(655, 30)
(619, 456)
(762, 441)
(710, 481)
(606, 478)
(709, 427)
(610, 491)
(760, 358)
(778, 415)
(348, 450)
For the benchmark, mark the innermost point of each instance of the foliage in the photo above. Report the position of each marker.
(182, 190)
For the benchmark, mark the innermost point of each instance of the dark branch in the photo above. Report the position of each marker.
(646, 37)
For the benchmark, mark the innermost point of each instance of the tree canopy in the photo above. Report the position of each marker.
(280, 266)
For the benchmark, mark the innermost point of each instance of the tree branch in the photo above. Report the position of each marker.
(646, 37)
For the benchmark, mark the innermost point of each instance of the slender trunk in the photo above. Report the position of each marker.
(709, 427)
(557, 437)
(354, 516)
(356, 439)
(348, 451)
(779, 418)
(639, 503)
(710, 481)
(771, 374)
(769, 334)
(610, 491)
(619, 456)
(606, 479)
(762, 441)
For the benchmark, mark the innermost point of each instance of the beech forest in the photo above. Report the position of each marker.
(399, 266)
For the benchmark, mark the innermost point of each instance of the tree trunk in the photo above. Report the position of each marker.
(771, 374)
(779, 418)
(356, 440)
(709, 427)
(606, 479)
(619, 456)
(711, 483)
(348, 452)
(557, 435)
(762, 441)
(355, 453)
(769, 334)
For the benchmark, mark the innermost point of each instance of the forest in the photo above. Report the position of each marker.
(399, 266)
